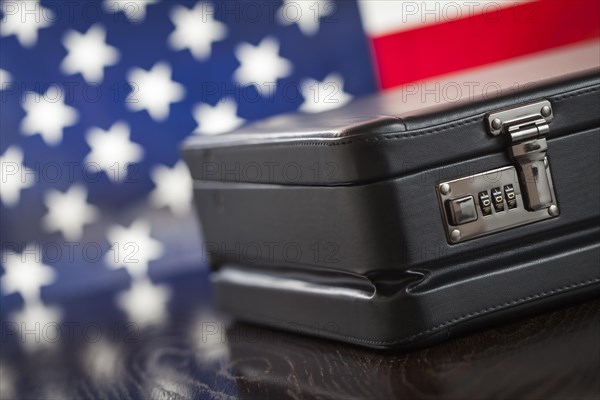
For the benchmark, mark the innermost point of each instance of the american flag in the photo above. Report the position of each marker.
(98, 95)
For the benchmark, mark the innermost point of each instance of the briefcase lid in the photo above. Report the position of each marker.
(383, 135)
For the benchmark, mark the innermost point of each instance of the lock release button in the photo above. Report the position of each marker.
(462, 210)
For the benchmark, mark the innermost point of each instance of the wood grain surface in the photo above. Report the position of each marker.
(198, 353)
(552, 356)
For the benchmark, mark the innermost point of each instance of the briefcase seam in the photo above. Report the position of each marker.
(477, 313)
(561, 97)
(452, 321)
(467, 121)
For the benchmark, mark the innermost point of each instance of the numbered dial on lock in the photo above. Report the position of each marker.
(464, 209)
(485, 203)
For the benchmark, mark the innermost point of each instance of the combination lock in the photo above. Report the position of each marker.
(507, 197)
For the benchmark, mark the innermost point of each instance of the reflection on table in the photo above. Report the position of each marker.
(192, 351)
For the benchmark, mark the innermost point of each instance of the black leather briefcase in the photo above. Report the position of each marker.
(396, 229)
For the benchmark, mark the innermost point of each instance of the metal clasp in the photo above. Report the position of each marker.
(527, 127)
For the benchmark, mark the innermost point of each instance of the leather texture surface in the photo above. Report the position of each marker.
(392, 224)
(421, 306)
(362, 255)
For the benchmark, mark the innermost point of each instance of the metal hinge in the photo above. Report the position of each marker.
(527, 127)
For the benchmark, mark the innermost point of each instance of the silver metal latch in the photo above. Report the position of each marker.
(510, 196)
(526, 127)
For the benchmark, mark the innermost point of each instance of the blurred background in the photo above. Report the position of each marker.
(97, 225)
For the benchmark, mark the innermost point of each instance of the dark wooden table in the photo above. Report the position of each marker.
(198, 353)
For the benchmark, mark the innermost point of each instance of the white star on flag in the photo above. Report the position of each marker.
(145, 303)
(23, 19)
(217, 119)
(112, 151)
(47, 115)
(132, 248)
(173, 188)
(196, 29)
(25, 273)
(154, 91)
(68, 212)
(207, 348)
(306, 14)
(88, 54)
(134, 10)
(324, 95)
(15, 176)
(39, 318)
(103, 360)
(261, 65)
(5, 79)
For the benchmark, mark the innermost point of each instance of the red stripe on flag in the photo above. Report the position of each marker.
(481, 39)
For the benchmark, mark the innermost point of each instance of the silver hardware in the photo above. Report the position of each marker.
(506, 197)
(520, 116)
(462, 210)
(496, 125)
(455, 235)
(495, 219)
(527, 127)
(546, 111)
